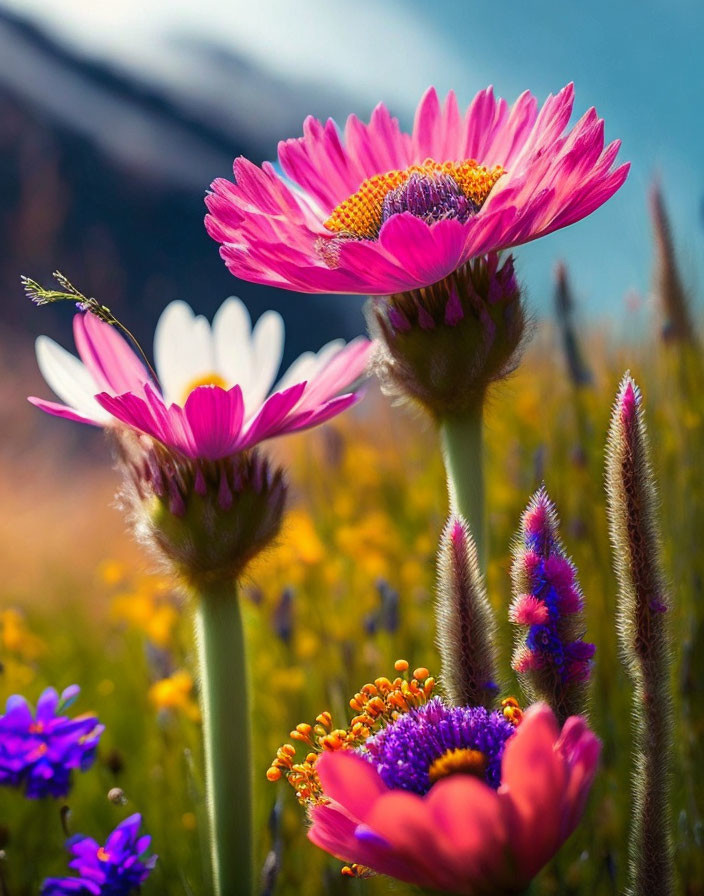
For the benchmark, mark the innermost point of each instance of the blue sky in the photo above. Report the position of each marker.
(639, 63)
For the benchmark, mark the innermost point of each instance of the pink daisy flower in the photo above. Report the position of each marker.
(214, 394)
(377, 211)
(463, 835)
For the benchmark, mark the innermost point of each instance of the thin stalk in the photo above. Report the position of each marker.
(228, 770)
(462, 451)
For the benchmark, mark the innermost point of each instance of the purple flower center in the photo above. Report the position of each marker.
(435, 740)
(432, 197)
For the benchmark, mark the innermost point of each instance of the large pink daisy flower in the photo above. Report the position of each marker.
(377, 211)
(214, 397)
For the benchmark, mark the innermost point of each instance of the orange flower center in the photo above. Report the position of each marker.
(433, 190)
(103, 855)
(458, 762)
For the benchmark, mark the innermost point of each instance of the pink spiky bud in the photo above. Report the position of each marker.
(528, 563)
(570, 600)
(528, 610)
(465, 621)
(551, 659)
(525, 660)
(642, 603)
(560, 571)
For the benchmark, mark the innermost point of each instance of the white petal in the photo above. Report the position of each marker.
(70, 379)
(183, 350)
(232, 335)
(307, 365)
(267, 349)
(299, 371)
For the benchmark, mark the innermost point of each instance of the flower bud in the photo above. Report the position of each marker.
(466, 629)
(205, 519)
(442, 345)
(643, 610)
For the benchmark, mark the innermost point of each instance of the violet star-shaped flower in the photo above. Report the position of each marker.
(39, 750)
(115, 869)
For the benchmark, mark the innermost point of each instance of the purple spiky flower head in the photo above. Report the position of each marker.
(552, 660)
(115, 869)
(435, 740)
(40, 749)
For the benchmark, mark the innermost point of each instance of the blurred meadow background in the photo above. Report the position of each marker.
(112, 125)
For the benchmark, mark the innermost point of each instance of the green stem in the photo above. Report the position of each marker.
(228, 770)
(461, 439)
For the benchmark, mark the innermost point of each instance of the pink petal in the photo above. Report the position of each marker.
(331, 408)
(533, 782)
(351, 781)
(270, 420)
(319, 163)
(406, 821)
(132, 411)
(62, 410)
(333, 830)
(473, 835)
(111, 361)
(581, 749)
(507, 141)
(215, 420)
(484, 118)
(151, 416)
(348, 365)
(336, 832)
(379, 146)
(427, 253)
(425, 126)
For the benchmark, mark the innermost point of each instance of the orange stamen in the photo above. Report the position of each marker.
(360, 215)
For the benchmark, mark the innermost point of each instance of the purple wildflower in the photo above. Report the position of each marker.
(551, 659)
(435, 740)
(116, 869)
(38, 751)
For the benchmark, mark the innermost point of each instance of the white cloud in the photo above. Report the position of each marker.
(370, 49)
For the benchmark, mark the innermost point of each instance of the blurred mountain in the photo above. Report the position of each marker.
(102, 175)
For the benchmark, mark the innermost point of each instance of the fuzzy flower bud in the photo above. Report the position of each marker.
(677, 324)
(442, 345)
(580, 374)
(642, 614)
(466, 629)
(552, 661)
(204, 519)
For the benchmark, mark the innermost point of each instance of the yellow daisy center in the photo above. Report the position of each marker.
(208, 379)
(461, 761)
(362, 214)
